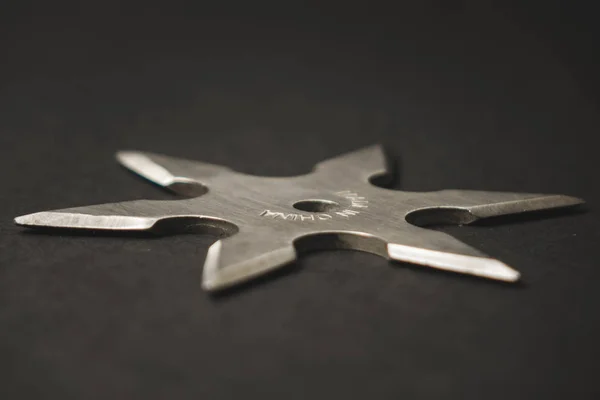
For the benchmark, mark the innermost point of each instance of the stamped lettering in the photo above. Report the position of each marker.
(354, 205)
(356, 201)
(347, 213)
(294, 217)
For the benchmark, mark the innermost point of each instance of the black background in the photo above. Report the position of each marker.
(469, 94)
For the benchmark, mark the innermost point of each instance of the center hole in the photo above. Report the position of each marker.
(315, 206)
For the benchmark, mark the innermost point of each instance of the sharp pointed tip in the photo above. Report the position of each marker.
(515, 277)
(210, 272)
(24, 220)
(35, 219)
(376, 146)
(224, 269)
(211, 286)
(489, 268)
(571, 201)
(124, 156)
(500, 271)
(131, 158)
(214, 278)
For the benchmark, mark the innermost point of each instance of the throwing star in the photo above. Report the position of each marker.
(265, 222)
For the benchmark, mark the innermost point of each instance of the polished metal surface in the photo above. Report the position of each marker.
(265, 222)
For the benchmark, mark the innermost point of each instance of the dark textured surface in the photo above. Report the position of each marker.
(469, 95)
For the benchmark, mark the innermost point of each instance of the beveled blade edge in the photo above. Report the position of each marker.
(543, 202)
(367, 162)
(478, 266)
(55, 219)
(144, 166)
(216, 276)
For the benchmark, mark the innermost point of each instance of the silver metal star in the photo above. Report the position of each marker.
(268, 221)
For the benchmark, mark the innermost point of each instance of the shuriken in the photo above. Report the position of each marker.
(266, 221)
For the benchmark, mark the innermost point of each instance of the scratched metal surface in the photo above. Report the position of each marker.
(465, 98)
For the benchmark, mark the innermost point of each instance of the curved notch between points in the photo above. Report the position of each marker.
(341, 240)
(440, 216)
(195, 225)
